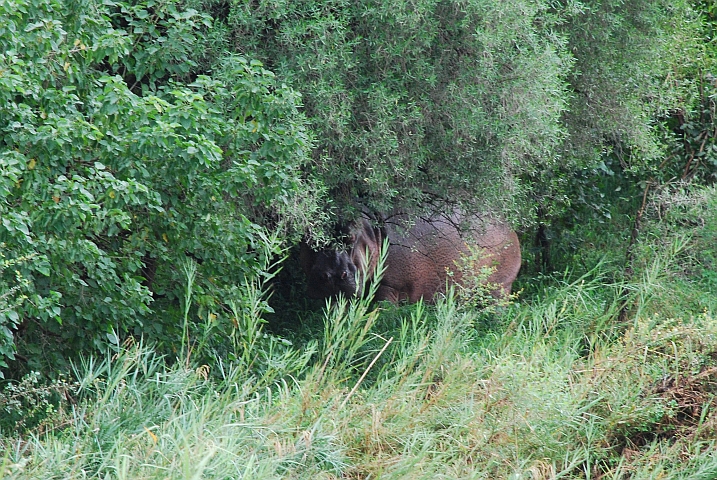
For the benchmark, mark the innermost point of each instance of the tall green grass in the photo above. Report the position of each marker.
(548, 397)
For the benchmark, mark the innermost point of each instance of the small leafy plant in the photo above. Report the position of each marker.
(12, 297)
(36, 404)
(475, 291)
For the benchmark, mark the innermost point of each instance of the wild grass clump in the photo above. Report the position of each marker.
(539, 401)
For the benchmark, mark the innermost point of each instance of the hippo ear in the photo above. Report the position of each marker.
(368, 241)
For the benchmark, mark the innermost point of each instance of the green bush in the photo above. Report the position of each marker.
(35, 404)
(119, 160)
(684, 215)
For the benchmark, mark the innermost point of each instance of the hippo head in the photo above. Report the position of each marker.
(332, 272)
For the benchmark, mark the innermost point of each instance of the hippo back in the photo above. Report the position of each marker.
(419, 258)
(421, 255)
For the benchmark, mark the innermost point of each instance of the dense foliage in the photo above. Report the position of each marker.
(416, 104)
(554, 389)
(514, 106)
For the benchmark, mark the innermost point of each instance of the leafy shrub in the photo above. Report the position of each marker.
(415, 102)
(35, 404)
(116, 168)
(475, 292)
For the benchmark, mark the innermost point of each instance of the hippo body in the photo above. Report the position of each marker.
(419, 258)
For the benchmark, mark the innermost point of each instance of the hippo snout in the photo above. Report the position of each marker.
(332, 273)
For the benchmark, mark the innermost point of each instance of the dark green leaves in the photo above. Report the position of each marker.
(115, 169)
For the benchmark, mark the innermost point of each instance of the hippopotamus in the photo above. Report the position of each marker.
(420, 256)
